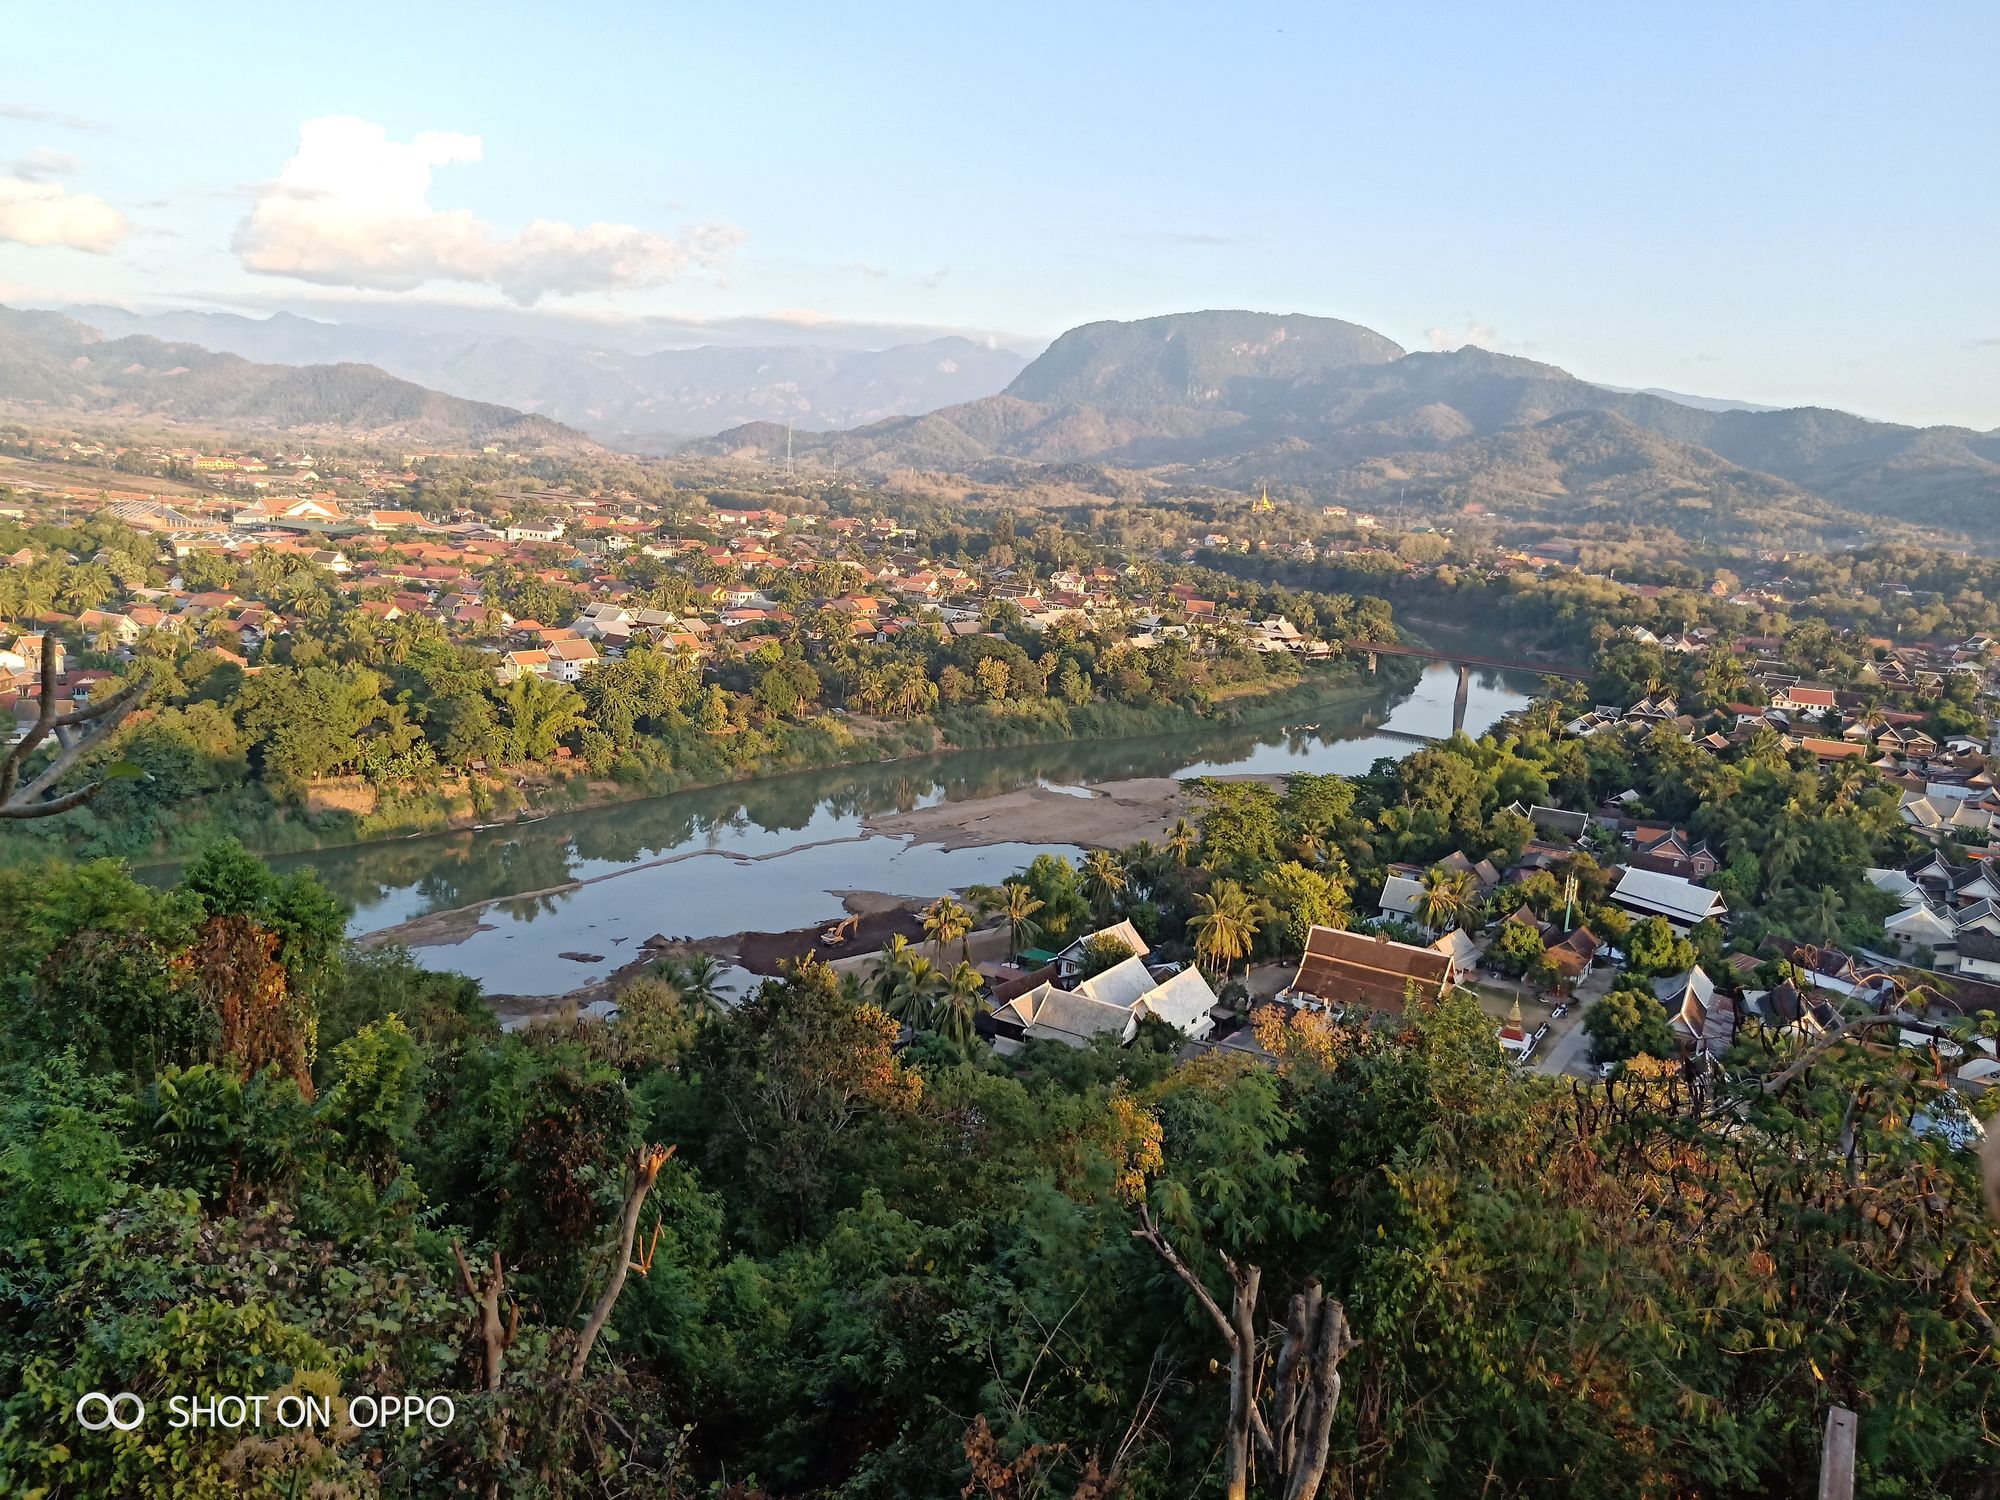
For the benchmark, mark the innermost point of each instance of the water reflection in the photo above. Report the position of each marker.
(701, 863)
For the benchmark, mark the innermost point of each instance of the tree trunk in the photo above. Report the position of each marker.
(1295, 1440)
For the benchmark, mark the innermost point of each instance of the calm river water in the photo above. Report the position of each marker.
(777, 854)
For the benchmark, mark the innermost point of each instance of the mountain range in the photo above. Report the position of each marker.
(643, 400)
(54, 366)
(1242, 398)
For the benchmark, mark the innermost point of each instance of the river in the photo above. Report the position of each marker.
(778, 854)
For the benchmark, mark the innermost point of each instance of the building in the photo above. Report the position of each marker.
(1353, 968)
(1648, 893)
(1069, 962)
(535, 531)
(1109, 1004)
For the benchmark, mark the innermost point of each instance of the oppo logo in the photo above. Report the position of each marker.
(96, 1411)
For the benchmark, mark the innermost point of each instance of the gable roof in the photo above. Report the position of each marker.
(1667, 895)
(1341, 967)
(1121, 985)
(1123, 932)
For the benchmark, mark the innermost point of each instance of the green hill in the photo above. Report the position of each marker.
(51, 366)
(1242, 398)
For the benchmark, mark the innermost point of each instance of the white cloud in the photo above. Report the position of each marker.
(352, 208)
(46, 213)
(1477, 335)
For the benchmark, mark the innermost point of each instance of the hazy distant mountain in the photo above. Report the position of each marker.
(1239, 398)
(637, 399)
(54, 366)
(1699, 403)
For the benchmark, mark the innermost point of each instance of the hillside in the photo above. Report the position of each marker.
(52, 365)
(1235, 398)
(641, 399)
(1218, 359)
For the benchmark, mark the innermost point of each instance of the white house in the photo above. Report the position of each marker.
(1112, 1004)
(1648, 893)
(534, 531)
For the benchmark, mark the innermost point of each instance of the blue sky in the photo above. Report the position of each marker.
(1780, 203)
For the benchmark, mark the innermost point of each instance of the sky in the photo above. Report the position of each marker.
(1780, 203)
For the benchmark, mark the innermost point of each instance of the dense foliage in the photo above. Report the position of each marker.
(239, 1158)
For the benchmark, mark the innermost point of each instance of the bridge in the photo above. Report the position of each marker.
(1374, 650)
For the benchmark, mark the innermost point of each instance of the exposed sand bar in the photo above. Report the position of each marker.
(1115, 813)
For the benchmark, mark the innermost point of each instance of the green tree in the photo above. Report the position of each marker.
(1626, 1023)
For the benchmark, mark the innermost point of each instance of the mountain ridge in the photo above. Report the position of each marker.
(642, 400)
(1310, 420)
(53, 365)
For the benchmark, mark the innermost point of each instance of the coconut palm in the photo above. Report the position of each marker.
(1181, 839)
(1820, 922)
(1446, 896)
(1103, 879)
(1782, 853)
(912, 992)
(945, 922)
(1016, 907)
(1224, 926)
(700, 983)
(889, 965)
(957, 1012)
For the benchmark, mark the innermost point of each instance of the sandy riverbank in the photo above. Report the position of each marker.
(1114, 813)
(1105, 815)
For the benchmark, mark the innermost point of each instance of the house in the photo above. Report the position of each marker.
(1400, 899)
(1917, 927)
(1573, 955)
(1674, 852)
(1353, 968)
(1482, 872)
(1461, 950)
(1112, 1003)
(1703, 1020)
(1554, 820)
(568, 658)
(1979, 955)
(391, 520)
(1897, 883)
(1648, 893)
(534, 531)
(1799, 699)
(1788, 1008)
(1070, 961)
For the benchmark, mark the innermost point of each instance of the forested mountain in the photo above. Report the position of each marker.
(635, 398)
(1239, 398)
(51, 365)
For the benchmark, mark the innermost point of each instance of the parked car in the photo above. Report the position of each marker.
(1560, 1011)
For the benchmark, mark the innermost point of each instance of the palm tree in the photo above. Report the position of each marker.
(945, 921)
(1181, 839)
(957, 1013)
(1446, 895)
(699, 980)
(1820, 921)
(912, 989)
(1103, 879)
(1017, 907)
(1224, 925)
(1787, 846)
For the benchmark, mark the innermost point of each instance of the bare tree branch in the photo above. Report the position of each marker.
(646, 1164)
(102, 719)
